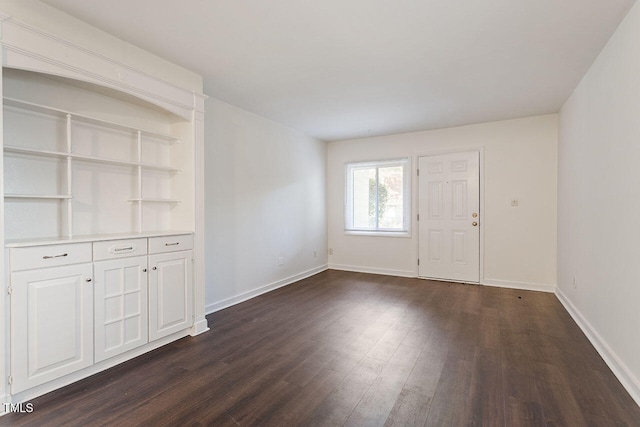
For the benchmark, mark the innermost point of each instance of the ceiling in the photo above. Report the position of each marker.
(338, 69)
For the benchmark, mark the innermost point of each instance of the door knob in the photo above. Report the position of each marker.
(475, 224)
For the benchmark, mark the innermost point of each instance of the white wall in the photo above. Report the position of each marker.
(599, 203)
(265, 199)
(520, 159)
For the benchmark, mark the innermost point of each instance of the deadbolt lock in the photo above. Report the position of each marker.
(475, 215)
(475, 224)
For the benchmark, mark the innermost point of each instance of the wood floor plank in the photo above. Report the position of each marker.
(448, 406)
(339, 404)
(293, 409)
(342, 348)
(376, 404)
(410, 409)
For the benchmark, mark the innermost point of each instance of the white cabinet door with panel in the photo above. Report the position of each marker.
(51, 323)
(121, 317)
(170, 293)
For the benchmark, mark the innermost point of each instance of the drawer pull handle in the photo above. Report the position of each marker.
(130, 248)
(54, 256)
(172, 244)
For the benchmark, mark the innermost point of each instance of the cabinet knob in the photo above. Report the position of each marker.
(88, 279)
(144, 270)
(154, 268)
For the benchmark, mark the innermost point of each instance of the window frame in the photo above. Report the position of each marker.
(349, 228)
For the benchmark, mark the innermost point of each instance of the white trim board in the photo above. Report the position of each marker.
(617, 366)
(237, 299)
(371, 270)
(497, 283)
(539, 287)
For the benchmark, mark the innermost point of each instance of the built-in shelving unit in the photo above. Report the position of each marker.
(66, 157)
(102, 209)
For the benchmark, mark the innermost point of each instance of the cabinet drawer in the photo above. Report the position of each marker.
(49, 256)
(110, 249)
(158, 245)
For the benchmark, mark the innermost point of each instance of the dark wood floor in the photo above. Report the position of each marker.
(355, 349)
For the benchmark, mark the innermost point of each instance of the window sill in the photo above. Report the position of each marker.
(377, 233)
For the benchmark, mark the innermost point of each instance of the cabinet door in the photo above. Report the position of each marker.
(121, 319)
(170, 293)
(51, 324)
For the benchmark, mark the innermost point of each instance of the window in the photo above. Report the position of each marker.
(377, 196)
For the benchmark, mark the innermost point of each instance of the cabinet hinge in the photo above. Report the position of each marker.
(10, 379)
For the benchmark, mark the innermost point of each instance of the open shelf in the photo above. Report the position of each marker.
(93, 159)
(145, 200)
(38, 196)
(16, 103)
(79, 161)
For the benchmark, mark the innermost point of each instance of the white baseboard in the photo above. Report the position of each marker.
(487, 282)
(5, 399)
(372, 270)
(620, 370)
(518, 285)
(228, 302)
(199, 327)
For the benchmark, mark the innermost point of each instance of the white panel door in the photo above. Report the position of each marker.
(449, 208)
(170, 293)
(51, 324)
(121, 316)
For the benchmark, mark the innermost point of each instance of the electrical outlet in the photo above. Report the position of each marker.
(575, 283)
(315, 254)
(280, 261)
(330, 251)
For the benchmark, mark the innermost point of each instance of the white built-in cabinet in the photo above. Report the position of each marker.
(170, 285)
(102, 207)
(51, 324)
(121, 296)
(73, 305)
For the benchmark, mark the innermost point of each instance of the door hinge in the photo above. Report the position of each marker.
(418, 217)
(9, 290)
(418, 261)
(418, 172)
(10, 379)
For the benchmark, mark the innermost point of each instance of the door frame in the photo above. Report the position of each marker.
(416, 203)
